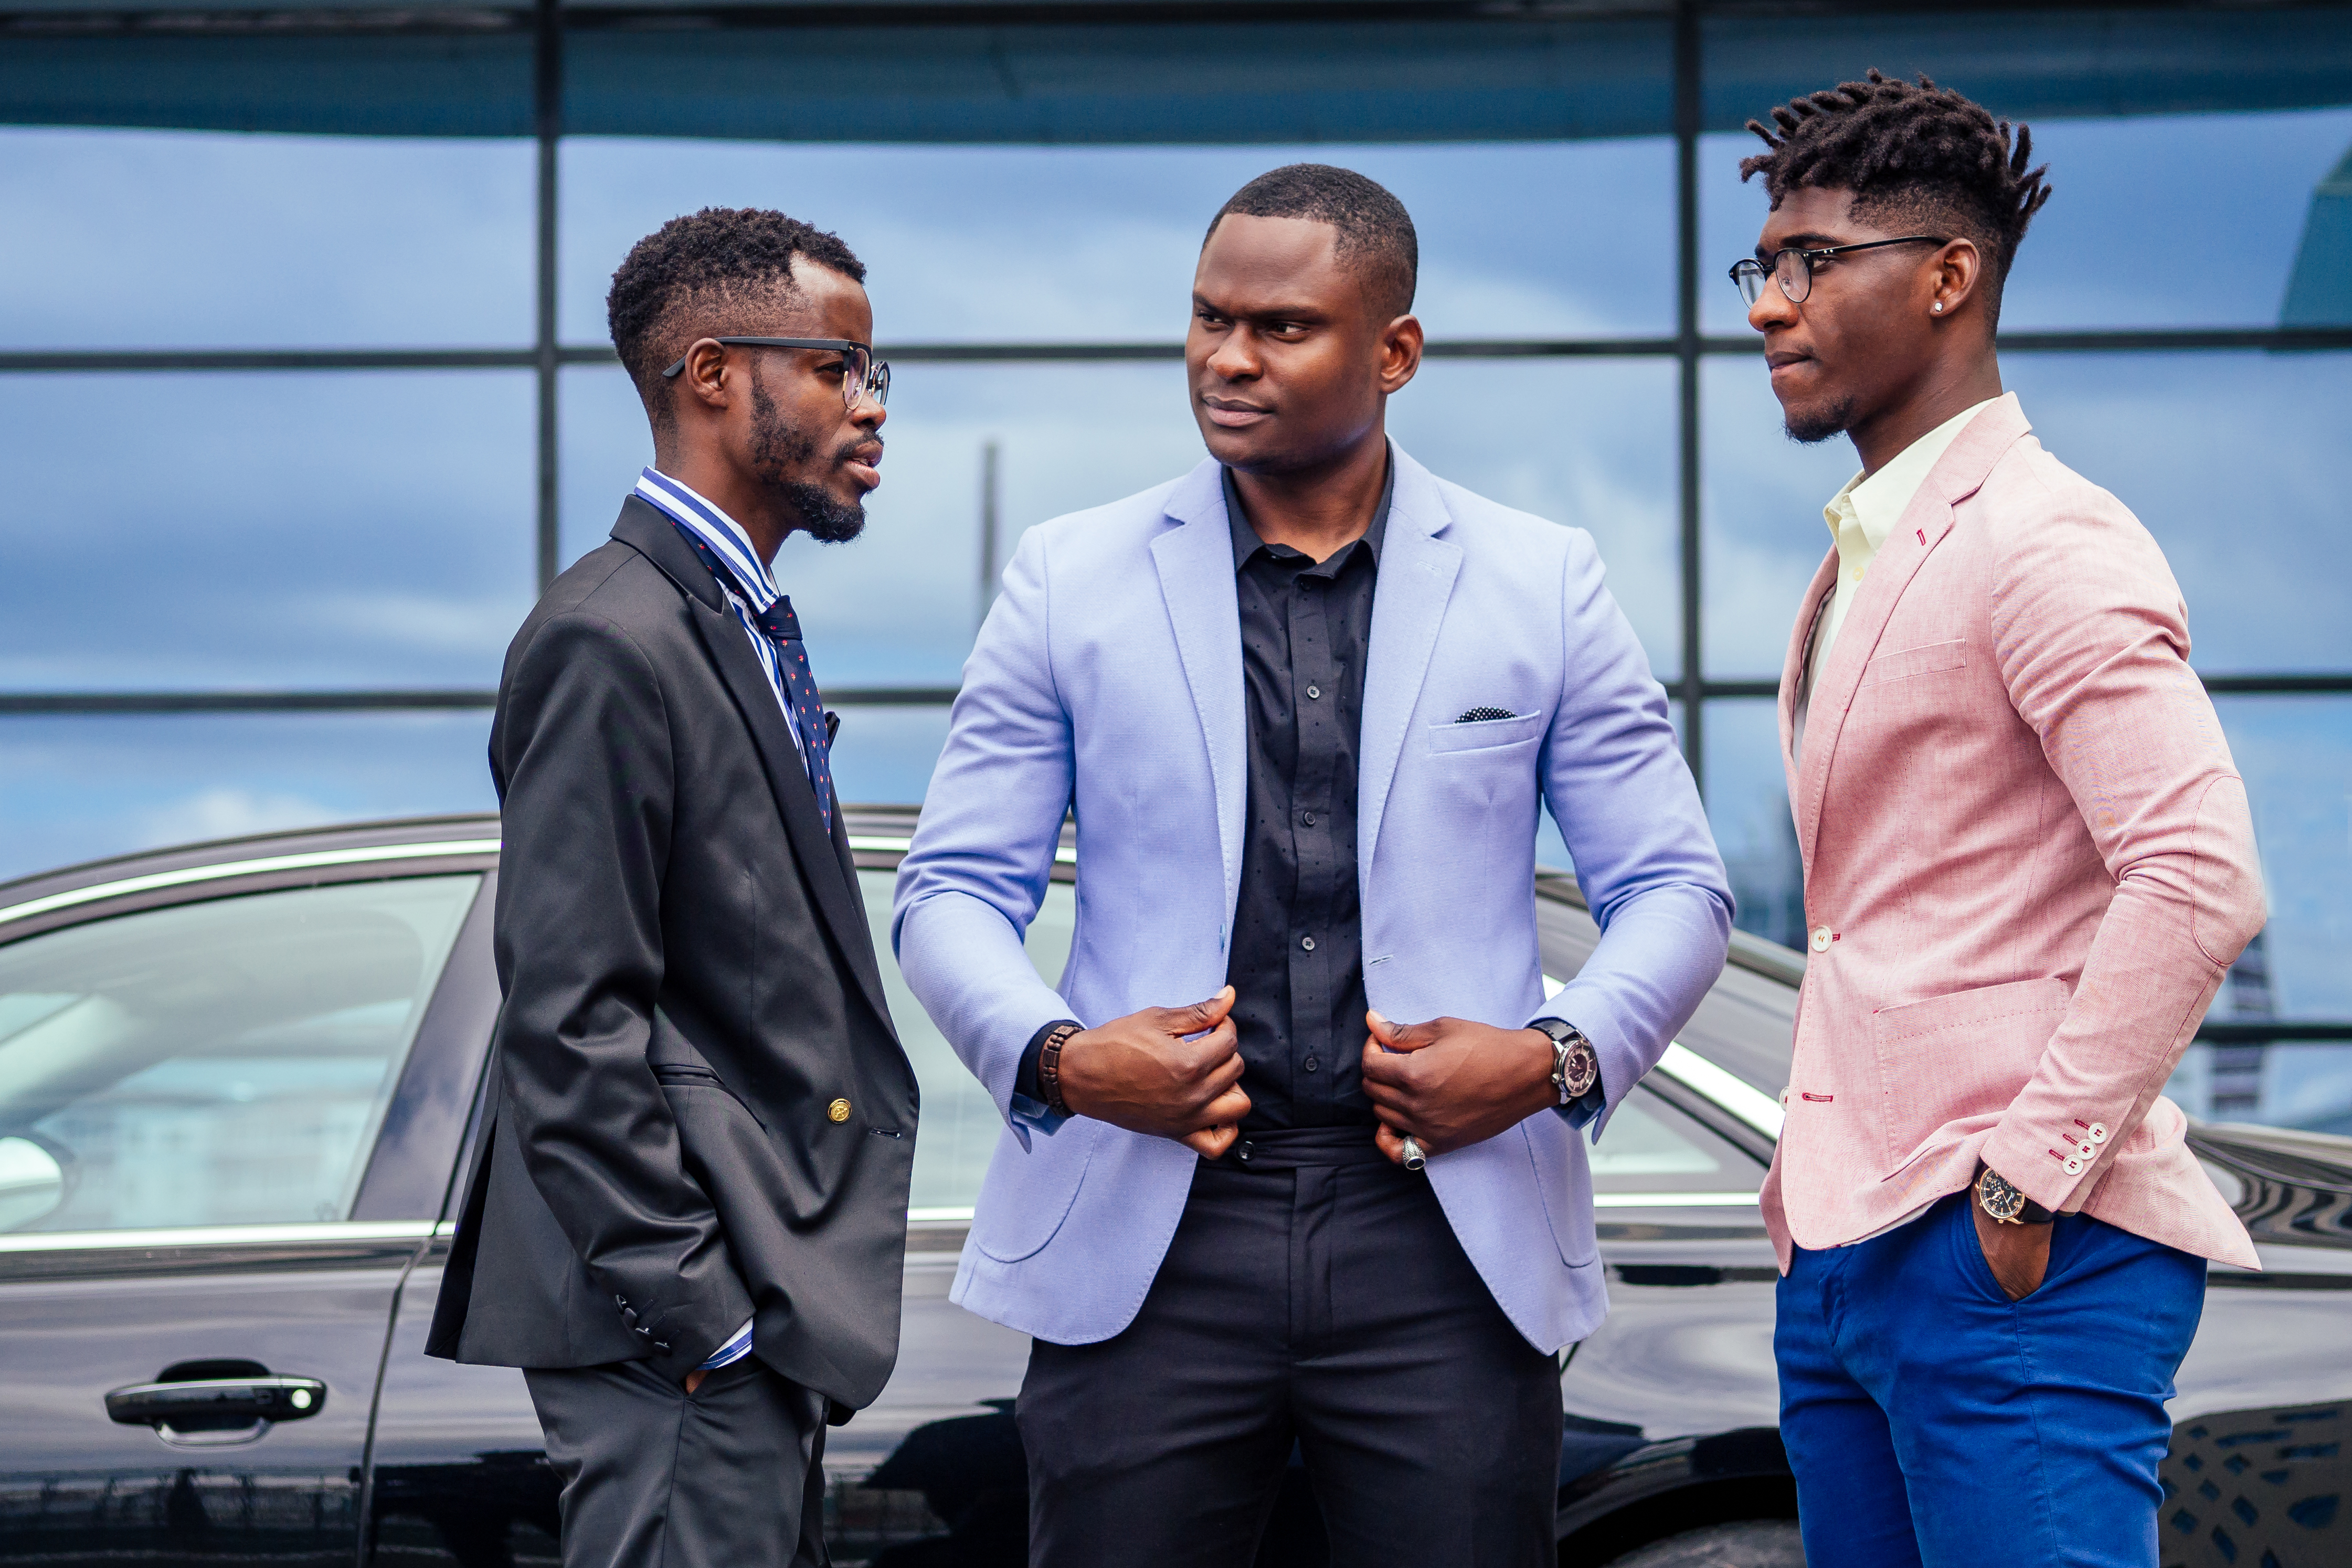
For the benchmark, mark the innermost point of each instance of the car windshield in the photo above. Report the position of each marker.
(225, 1062)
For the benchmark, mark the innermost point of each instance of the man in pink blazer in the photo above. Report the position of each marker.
(2029, 864)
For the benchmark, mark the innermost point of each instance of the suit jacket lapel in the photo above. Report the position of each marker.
(1195, 563)
(1416, 579)
(824, 865)
(1792, 681)
(1957, 475)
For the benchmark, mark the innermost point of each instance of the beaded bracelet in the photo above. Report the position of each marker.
(1049, 1068)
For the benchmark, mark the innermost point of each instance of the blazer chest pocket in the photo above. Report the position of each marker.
(1485, 734)
(1905, 663)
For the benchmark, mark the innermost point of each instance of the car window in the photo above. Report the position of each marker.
(1650, 1146)
(218, 1063)
(960, 1123)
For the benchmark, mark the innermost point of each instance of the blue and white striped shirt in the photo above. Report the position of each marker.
(726, 539)
(682, 505)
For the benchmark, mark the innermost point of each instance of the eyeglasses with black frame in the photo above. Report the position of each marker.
(861, 376)
(1794, 268)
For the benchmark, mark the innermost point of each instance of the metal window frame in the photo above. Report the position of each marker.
(545, 356)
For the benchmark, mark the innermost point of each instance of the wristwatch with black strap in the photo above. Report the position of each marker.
(1575, 1064)
(2004, 1203)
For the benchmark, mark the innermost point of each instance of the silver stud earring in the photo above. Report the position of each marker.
(1939, 306)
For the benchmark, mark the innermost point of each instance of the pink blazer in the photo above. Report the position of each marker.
(2029, 863)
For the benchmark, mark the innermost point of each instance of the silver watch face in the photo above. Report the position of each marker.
(1581, 1070)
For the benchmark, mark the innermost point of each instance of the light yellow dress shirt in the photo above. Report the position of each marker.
(1860, 517)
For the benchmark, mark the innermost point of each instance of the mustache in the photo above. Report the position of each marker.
(847, 451)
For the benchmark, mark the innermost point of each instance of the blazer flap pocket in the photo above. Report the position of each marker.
(1480, 734)
(1904, 663)
(1990, 1009)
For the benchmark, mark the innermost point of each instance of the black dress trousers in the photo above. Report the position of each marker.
(1314, 1293)
(731, 1476)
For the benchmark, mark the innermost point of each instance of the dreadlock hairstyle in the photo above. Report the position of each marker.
(1919, 153)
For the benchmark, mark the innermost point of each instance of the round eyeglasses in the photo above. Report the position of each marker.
(861, 376)
(1794, 269)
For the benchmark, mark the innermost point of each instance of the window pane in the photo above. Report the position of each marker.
(152, 239)
(1097, 244)
(1514, 78)
(2295, 753)
(473, 79)
(2241, 466)
(1748, 806)
(1761, 526)
(961, 1123)
(2197, 220)
(266, 530)
(1584, 443)
(2165, 130)
(221, 1063)
(2239, 463)
(74, 789)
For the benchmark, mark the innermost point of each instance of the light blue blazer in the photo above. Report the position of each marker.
(1109, 677)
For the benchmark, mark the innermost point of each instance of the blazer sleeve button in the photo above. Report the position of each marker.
(2074, 1165)
(2098, 1131)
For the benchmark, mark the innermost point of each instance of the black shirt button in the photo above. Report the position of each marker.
(1312, 1064)
(1313, 691)
(1307, 942)
(1307, 817)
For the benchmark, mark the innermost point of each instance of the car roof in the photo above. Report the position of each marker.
(421, 844)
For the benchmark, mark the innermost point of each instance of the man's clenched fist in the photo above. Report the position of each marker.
(1142, 1072)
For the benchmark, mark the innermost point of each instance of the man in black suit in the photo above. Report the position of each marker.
(687, 1217)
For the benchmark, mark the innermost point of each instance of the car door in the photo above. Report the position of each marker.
(218, 1120)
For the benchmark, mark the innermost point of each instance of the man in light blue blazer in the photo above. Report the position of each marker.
(1305, 703)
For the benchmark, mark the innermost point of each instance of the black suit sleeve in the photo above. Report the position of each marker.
(586, 779)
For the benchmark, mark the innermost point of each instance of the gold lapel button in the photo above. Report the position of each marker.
(839, 1111)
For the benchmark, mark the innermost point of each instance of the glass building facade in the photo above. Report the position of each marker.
(305, 387)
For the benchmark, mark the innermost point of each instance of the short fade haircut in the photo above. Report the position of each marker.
(706, 276)
(1915, 153)
(1375, 235)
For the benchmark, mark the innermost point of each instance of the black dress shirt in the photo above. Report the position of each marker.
(1297, 963)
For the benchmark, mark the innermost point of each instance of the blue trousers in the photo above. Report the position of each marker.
(1932, 1421)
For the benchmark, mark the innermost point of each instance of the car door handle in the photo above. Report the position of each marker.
(216, 1411)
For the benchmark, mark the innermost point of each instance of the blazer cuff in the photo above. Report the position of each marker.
(1028, 1083)
(1621, 1066)
(2055, 1166)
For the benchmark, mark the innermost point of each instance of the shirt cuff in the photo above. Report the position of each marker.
(1026, 1081)
(737, 1347)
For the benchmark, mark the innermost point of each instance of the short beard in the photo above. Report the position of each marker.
(777, 448)
(1812, 428)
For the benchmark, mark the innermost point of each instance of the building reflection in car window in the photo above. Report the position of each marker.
(960, 1123)
(1638, 1142)
(218, 1063)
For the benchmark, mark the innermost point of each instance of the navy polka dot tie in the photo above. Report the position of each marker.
(780, 626)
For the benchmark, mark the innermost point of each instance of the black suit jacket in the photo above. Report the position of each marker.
(700, 1111)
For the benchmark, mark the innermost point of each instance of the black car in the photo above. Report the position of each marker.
(236, 1082)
